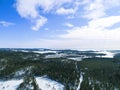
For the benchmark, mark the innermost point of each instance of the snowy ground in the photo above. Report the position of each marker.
(10, 85)
(48, 84)
(56, 55)
(80, 81)
(108, 54)
(43, 52)
(76, 58)
(44, 84)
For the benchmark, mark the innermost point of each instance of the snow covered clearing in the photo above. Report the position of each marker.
(76, 58)
(108, 54)
(43, 52)
(10, 85)
(43, 83)
(80, 81)
(56, 55)
(48, 84)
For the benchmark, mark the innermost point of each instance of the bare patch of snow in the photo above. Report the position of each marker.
(56, 55)
(108, 54)
(80, 81)
(43, 52)
(10, 85)
(43, 83)
(19, 73)
(76, 58)
(48, 84)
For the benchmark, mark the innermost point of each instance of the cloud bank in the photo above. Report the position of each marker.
(96, 29)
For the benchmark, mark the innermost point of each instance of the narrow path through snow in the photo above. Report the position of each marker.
(80, 81)
(81, 76)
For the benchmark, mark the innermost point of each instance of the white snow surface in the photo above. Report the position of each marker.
(56, 55)
(80, 81)
(43, 83)
(10, 85)
(76, 58)
(48, 84)
(43, 52)
(19, 73)
(108, 54)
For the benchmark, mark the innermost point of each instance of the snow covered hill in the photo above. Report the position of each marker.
(43, 83)
(108, 54)
(48, 84)
(10, 85)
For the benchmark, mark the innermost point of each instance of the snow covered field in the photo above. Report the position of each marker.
(76, 58)
(80, 81)
(43, 52)
(108, 54)
(48, 84)
(43, 83)
(10, 85)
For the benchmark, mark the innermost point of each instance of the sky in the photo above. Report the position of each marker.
(60, 24)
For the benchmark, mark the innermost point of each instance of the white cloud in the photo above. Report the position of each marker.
(112, 3)
(97, 8)
(96, 35)
(39, 23)
(48, 5)
(99, 32)
(67, 11)
(96, 29)
(89, 33)
(33, 10)
(104, 22)
(69, 25)
(63, 11)
(5, 23)
(28, 9)
(94, 10)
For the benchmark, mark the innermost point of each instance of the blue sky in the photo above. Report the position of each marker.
(60, 24)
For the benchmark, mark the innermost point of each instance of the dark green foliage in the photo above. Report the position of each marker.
(102, 73)
(29, 83)
(56, 69)
(117, 57)
(99, 73)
